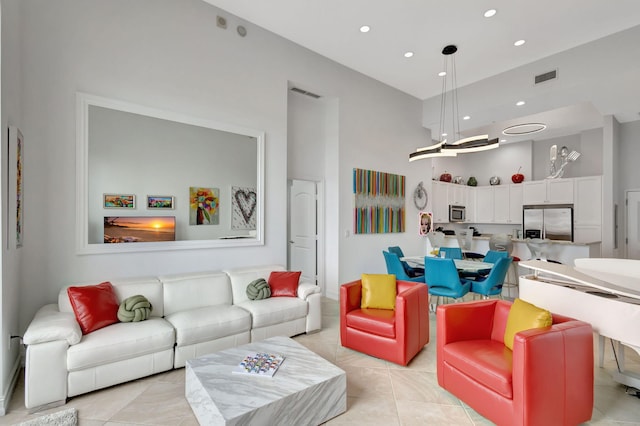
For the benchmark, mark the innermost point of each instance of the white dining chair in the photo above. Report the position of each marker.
(436, 239)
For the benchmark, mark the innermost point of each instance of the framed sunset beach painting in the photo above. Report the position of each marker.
(139, 229)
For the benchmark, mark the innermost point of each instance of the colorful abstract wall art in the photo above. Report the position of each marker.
(379, 202)
(243, 208)
(204, 206)
(16, 159)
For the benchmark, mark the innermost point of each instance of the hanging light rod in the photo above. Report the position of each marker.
(460, 146)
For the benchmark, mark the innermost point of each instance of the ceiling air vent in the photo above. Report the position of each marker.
(305, 92)
(541, 78)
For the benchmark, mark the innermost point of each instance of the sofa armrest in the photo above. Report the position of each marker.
(553, 370)
(306, 288)
(49, 325)
(465, 321)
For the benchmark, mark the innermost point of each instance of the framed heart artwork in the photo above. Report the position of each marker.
(243, 208)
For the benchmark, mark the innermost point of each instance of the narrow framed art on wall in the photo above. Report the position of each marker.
(16, 182)
(160, 202)
(119, 201)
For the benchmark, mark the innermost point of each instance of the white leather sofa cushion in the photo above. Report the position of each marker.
(275, 310)
(49, 324)
(209, 323)
(191, 291)
(121, 341)
(241, 277)
(151, 288)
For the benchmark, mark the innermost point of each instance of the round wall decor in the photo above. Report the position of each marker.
(420, 197)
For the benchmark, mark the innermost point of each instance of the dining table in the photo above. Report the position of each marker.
(462, 265)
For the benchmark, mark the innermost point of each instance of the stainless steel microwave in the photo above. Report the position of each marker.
(456, 213)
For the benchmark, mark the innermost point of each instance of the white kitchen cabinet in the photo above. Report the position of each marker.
(457, 194)
(548, 191)
(587, 234)
(440, 201)
(587, 209)
(515, 203)
(501, 204)
(471, 204)
(560, 191)
(484, 204)
(534, 192)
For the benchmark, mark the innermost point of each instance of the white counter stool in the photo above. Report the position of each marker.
(511, 282)
(502, 242)
(538, 248)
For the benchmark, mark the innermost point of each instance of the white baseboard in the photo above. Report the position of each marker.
(7, 393)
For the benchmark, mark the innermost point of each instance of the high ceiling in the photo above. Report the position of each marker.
(424, 27)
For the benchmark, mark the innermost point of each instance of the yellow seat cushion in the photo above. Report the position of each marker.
(524, 316)
(378, 291)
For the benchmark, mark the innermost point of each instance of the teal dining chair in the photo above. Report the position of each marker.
(491, 285)
(412, 271)
(395, 267)
(451, 252)
(443, 280)
(492, 256)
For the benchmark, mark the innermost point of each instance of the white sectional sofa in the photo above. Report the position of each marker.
(193, 314)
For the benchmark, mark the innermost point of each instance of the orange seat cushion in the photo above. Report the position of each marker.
(487, 361)
(381, 322)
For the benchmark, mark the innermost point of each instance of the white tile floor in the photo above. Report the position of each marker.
(378, 392)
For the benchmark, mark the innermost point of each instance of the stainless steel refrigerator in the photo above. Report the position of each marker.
(552, 221)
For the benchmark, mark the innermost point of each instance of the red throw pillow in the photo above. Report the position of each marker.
(95, 306)
(284, 283)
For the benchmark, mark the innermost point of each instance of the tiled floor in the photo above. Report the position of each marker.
(378, 392)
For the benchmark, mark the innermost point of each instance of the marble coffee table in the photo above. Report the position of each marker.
(305, 390)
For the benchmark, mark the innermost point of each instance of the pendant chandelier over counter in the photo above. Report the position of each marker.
(460, 146)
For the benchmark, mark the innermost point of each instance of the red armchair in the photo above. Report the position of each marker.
(394, 335)
(546, 380)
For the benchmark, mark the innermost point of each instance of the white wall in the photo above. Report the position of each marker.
(587, 143)
(307, 136)
(388, 128)
(629, 160)
(171, 56)
(11, 257)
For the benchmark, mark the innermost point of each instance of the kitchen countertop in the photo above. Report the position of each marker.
(521, 240)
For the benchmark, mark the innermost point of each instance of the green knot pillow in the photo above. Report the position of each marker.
(135, 308)
(258, 289)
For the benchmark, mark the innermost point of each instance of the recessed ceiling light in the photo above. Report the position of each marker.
(408, 54)
(466, 117)
(502, 140)
(520, 103)
(365, 29)
(444, 134)
(442, 73)
(524, 129)
(519, 43)
(489, 13)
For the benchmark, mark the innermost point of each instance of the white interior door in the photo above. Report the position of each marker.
(303, 229)
(633, 225)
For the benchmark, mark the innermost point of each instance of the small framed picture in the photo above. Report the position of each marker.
(119, 201)
(160, 202)
(425, 222)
